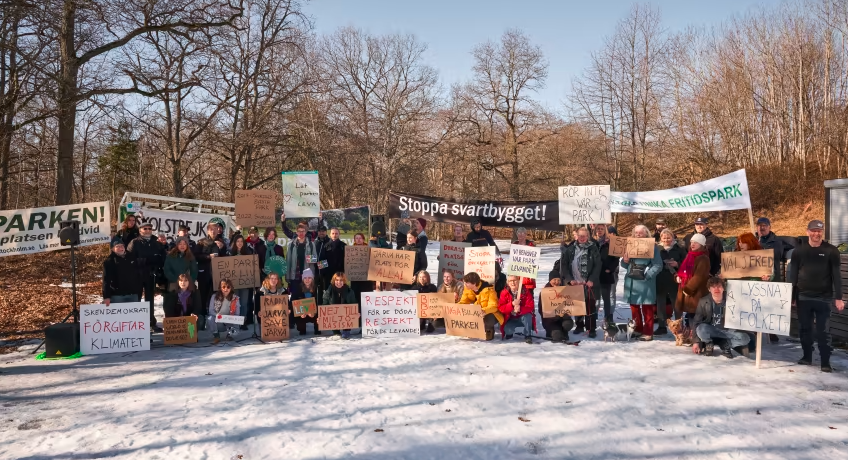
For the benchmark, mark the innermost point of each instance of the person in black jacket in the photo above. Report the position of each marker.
(129, 230)
(412, 245)
(150, 257)
(768, 240)
(609, 269)
(556, 328)
(204, 251)
(478, 236)
(334, 255)
(420, 225)
(423, 285)
(121, 280)
(580, 264)
(714, 246)
(816, 286)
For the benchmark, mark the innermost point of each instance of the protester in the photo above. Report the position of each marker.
(672, 256)
(224, 302)
(360, 286)
(479, 237)
(305, 288)
(748, 242)
(183, 232)
(333, 256)
(458, 234)
(521, 239)
(713, 244)
(129, 230)
(709, 324)
(516, 305)
(271, 285)
(184, 300)
(180, 261)
(378, 236)
(419, 260)
(301, 256)
(816, 286)
(239, 247)
(403, 228)
(609, 271)
(253, 240)
(337, 294)
(163, 240)
(692, 277)
(481, 293)
(556, 328)
(781, 248)
(267, 249)
(500, 279)
(640, 287)
(419, 225)
(659, 226)
(150, 258)
(451, 285)
(207, 249)
(423, 285)
(580, 265)
(121, 280)
(611, 230)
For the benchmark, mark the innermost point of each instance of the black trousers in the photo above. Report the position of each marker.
(148, 288)
(204, 285)
(489, 321)
(557, 323)
(818, 310)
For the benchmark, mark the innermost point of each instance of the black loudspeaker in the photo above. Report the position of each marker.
(69, 232)
(61, 339)
(378, 229)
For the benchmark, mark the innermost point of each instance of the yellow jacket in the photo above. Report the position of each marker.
(485, 297)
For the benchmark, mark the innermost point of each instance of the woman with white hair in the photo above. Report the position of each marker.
(640, 286)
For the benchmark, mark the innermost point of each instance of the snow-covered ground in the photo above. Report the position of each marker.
(434, 397)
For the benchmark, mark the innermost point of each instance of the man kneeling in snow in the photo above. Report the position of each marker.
(709, 324)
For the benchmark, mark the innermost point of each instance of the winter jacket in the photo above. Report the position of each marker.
(593, 268)
(500, 282)
(457, 290)
(293, 273)
(642, 292)
(420, 259)
(260, 248)
(227, 307)
(177, 264)
(128, 235)
(714, 247)
(609, 264)
(428, 289)
(529, 283)
(525, 305)
(245, 251)
(191, 245)
(205, 247)
(334, 254)
(781, 249)
(481, 238)
(695, 287)
(120, 276)
(379, 243)
(173, 308)
(333, 297)
(704, 312)
(422, 248)
(148, 253)
(667, 276)
(485, 297)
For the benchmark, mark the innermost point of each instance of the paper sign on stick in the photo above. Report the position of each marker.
(274, 312)
(338, 317)
(758, 306)
(118, 328)
(390, 314)
(464, 321)
(584, 204)
(430, 304)
(242, 271)
(180, 330)
(481, 260)
(356, 262)
(523, 261)
(256, 208)
(563, 301)
(636, 248)
(304, 307)
(390, 265)
(452, 257)
(301, 196)
(745, 264)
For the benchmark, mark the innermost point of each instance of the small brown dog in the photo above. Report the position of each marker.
(676, 328)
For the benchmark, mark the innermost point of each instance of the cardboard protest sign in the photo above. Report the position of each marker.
(33, 230)
(636, 248)
(430, 304)
(304, 307)
(229, 319)
(758, 306)
(390, 314)
(391, 266)
(481, 260)
(745, 264)
(256, 208)
(242, 271)
(356, 262)
(464, 321)
(168, 222)
(585, 204)
(338, 317)
(523, 261)
(118, 328)
(274, 312)
(563, 301)
(180, 330)
(452, 257)
(301, 196)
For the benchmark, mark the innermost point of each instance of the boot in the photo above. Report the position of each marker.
(773, 338)
(742, 350)
(528, 339)
(825, 365)
(490, 335)
(806, 360)
(661, 330)
(707, 348)
(556, 336)
(579, 325)
(430, 327)
(724, 344)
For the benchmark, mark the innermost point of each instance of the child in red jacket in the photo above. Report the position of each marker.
(517, 311)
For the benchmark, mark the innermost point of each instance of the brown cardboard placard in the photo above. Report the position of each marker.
(274, 313)
(305, 307)
(338, 317)
(392, 266)
(636, 248)
(430, 304)
(747, 264)
(563, 301)
(356, 262)
(242, 271)
(464, 320)
(180, 330)
(256, 208)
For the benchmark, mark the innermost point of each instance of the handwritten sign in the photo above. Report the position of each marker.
(301, 195)
(635, 248)
(242, 271)
(274, 312)
(180, 330)
(391, 266)
(256, 208)
(744, 264)
(229, 319)
(430, 304)
(338, 317)
(585, 204)
(563, 301)
(118, 328)
(758, 306)
(356, 262)
(452, 257)
(481, 260)
(390, 314)
(523, 261)
(464, 321)
(304, 307)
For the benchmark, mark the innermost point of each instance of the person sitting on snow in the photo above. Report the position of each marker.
(517, 308)
(708, 324)
(481, 293)
(556, 328)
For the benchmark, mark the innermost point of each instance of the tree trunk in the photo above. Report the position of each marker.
(66, 106)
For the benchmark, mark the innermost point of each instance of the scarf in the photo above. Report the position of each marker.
(269, 249)
(581, 260)
(183, 296)
(687, 268)
(337, 294)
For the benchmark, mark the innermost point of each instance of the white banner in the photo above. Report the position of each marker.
(720, 194)
(168, 222)
(523, 261)
(301, 194)
(29, 231)
(229, 319)
(118, 328)
(584, 204)
(758, 306)
(390, 314)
